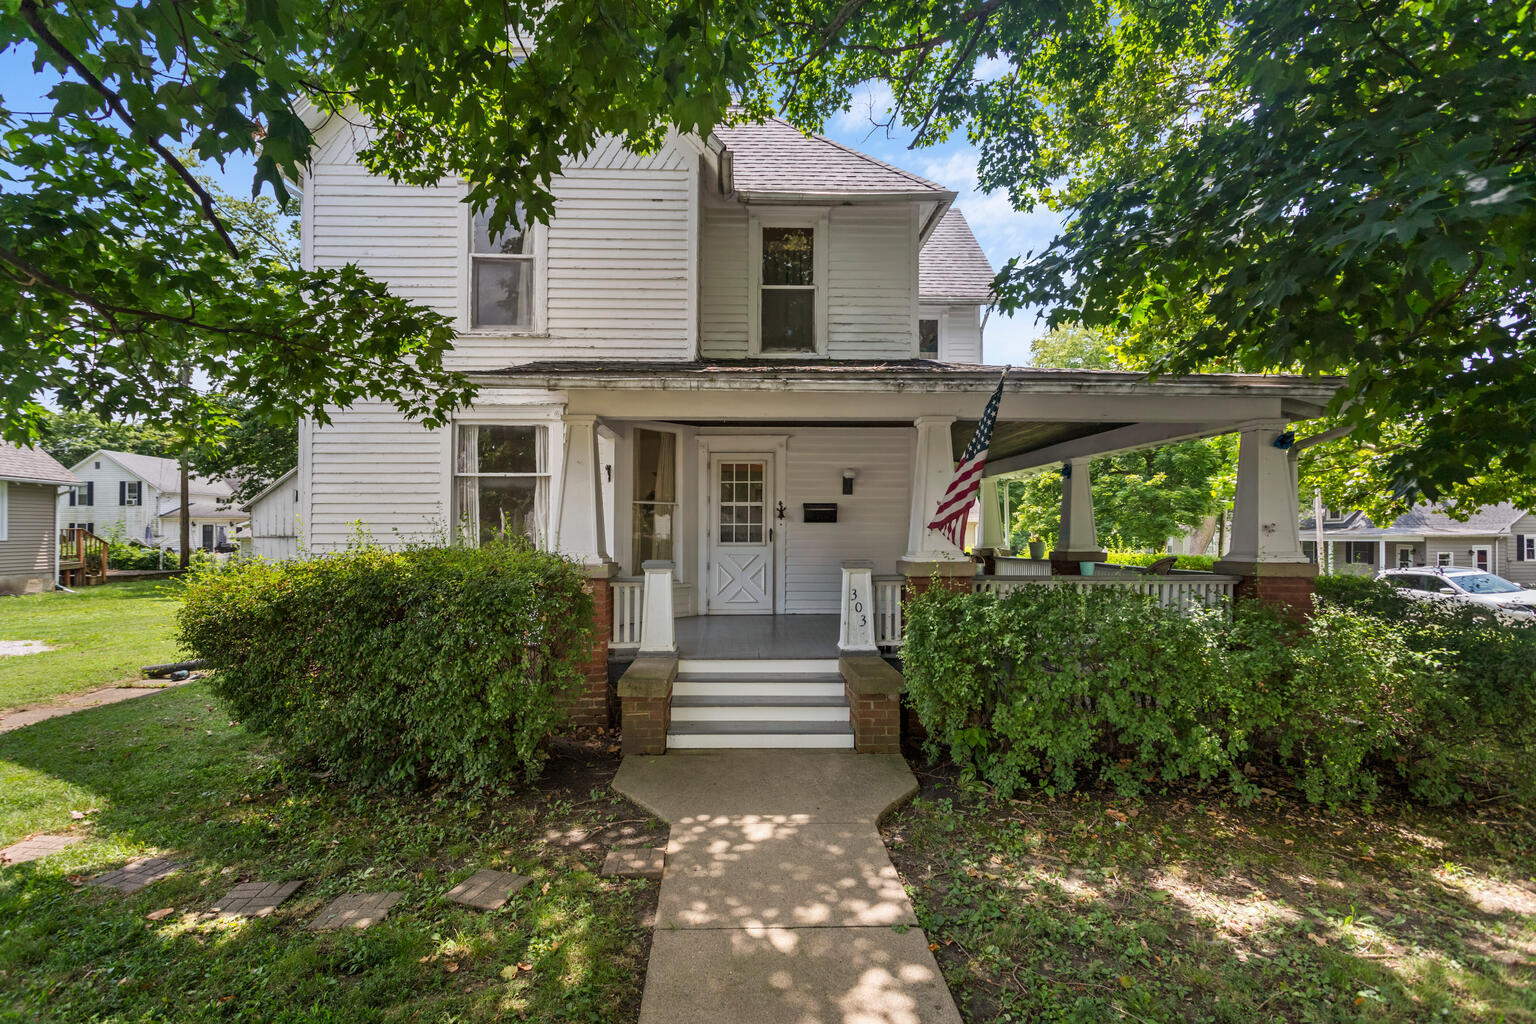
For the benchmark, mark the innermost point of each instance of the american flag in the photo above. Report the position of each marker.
(956, 503)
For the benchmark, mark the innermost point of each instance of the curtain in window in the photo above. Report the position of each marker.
(501, 483)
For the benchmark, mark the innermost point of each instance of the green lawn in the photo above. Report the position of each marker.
(170, 774)
(1092, 908)
(104, 634)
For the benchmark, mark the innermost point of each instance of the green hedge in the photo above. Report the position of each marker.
(1058, 686)
(400, 668)
(1201, 563)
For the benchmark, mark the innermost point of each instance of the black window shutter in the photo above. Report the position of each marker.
(1519, 547)
(122, 492)
(90, 493)
(73, 491)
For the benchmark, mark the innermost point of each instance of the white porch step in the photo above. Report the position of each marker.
(759, 708)
(722, 703)
(704, 735)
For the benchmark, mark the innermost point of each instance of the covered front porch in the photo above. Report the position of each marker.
(799, 494)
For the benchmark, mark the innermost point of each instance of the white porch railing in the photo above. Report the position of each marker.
(888, 610)
(628, 602)
(1182, 593)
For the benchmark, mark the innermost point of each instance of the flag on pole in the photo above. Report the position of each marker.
(956, 503)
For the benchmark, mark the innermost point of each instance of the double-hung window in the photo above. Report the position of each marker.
(654, 506)
(928, 338)
(501, 482)
(130, 492)
(788, 266)
(503, 271)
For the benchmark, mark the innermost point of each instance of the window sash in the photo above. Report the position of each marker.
(470, 485)
(527, 291)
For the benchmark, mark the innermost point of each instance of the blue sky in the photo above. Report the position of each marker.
(1002, 231)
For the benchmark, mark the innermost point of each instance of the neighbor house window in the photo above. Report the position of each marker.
(1525, 548)
(130, 492)
(501, 482)
(655, 503)
(501, 270)
(1443, 558)
(928, 339)
(789, 288)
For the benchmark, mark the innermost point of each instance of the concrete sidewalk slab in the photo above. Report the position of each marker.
(794, 976)
(780, 874)
(767, 785)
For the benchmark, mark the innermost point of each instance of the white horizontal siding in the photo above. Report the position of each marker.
(370, 466)
(723, 283)
(960, 335)
(871, 522)
(871, 274)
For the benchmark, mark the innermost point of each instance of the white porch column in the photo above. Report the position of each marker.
(579, 530)
(933, 467)
(1381, 555)
(656, 628)
(1078, 540)
(856, 631)
(1265, 529)
(992, 532)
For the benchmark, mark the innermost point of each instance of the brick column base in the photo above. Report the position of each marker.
(873, 689)
(1285, 586)
(645, 704)
(589, 705)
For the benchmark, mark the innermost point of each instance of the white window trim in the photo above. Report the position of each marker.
(133, 494)
(816, 220)
(539, 257)
(1529, 540)
(5, 510)
(1444, 558)
(550, 438)
(938, 313)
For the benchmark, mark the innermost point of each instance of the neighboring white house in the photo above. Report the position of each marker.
(1498, 538)
(274, 513)
(138, 497)
(754, 357)
(30, 482)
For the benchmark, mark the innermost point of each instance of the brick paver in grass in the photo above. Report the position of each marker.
(37, 846)
(136, 874)
(487, 890)
(355, 911)
(255, 899)
(635, 862)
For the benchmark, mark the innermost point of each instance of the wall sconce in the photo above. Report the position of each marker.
(849, 476)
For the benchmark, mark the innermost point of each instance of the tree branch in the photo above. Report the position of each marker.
(30, 15)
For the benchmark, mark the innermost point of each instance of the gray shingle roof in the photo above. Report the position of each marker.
(163, 474)
(205, 510)
(773, 156)
(952, 265)
(32, 465)
(1486, 521)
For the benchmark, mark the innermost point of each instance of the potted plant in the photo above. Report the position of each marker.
(1036, 546)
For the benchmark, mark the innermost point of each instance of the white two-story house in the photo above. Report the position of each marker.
(130, 497)
(753, 358)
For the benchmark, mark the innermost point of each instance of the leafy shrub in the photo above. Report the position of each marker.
(136, 556)
(397, 667)
(1493, 658)
(1062, 684)
(1201, 563)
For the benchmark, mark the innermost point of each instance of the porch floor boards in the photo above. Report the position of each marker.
(756, 637)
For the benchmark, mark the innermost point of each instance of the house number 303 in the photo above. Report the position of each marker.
(857, 603)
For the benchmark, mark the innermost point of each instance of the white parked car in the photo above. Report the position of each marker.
(1462, 583)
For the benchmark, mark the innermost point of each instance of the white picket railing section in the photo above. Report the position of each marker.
(1181, 592)
(888, 610)
(628, 600)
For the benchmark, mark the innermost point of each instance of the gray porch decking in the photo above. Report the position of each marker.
(757, 636)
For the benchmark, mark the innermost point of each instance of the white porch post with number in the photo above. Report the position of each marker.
(580, 532)
(1265, 527)
(992, 533)
(933, 467)
(856, 632)
(656, 629)
(1078, 540)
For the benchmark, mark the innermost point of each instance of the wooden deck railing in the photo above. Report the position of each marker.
(83, 558)
(888, 628)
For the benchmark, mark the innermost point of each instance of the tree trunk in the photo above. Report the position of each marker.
(185, 516)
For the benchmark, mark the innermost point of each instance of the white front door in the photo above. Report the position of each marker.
(1482, 557)
(740, 535)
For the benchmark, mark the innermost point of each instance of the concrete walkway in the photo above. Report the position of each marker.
(80, 702)
(779, 904)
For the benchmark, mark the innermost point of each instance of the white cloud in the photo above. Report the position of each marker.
(868, 111)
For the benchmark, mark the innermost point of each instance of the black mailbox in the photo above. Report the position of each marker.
(820, 511)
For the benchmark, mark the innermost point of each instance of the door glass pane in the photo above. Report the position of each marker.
(503, 293)
(788, 320)
(742, 514)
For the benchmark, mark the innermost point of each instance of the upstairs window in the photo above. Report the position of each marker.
(928, 339)
(501, 482)
(502, 274)
(129, 492)
(787, 264)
